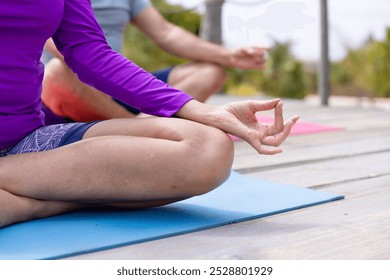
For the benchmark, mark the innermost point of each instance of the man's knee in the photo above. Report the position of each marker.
(215, 76)
(62, 91)
(56, 78)
(56, 69)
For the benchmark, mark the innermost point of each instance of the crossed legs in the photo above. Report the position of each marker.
(123, 162)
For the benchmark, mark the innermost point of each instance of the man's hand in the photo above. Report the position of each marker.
(248, 58)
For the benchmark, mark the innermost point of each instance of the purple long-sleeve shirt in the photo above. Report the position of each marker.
(25, 25)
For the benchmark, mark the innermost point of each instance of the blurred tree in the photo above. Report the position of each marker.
(242, 82)
(348, 77)
(378, 64)
(364, 71)
(284, 76)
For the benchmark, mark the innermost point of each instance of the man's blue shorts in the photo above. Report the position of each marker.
(162, 75)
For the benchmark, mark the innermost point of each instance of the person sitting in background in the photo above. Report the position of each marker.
(66, 96)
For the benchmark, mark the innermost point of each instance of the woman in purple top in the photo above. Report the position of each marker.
(48, 170)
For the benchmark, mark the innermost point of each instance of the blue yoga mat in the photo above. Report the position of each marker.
(240, 198)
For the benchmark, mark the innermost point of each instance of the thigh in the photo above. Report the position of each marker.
(183, 71)
(200, 80)
(153, 127)
(200, 71)
(128, 160)
(65, 95)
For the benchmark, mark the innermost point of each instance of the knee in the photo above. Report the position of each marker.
(61, 88)
(215, 76)
(56, 69)
(54, 78)
(212, 164)
(59, 77)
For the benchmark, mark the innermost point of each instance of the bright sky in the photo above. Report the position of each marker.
(298, 21)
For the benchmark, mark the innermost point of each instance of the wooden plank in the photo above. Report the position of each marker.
(378, 121)
(324, 172)
(252, 162)
(335, 137)
(354, 228)
(316, 139)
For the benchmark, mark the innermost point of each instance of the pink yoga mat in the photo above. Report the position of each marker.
(300, 128)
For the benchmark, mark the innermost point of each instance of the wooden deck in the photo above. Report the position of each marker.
(354, 162)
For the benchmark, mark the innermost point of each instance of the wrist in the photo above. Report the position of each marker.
(199, 112)
(225, 58)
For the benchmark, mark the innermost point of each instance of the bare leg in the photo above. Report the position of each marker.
(139, 162)
(16, 208)
(199, 80)
(65, 95)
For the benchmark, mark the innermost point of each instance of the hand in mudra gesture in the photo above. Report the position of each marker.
(239, 119)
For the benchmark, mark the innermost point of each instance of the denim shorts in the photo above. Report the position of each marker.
(48, 138)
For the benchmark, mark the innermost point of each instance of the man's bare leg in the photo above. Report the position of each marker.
(200, 80)
(65, 95)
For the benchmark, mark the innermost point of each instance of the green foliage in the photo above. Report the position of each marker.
(311, 79)
(378, 76)
(339, 74)
(284, 76)
(242, 82)
(349, 77)
(365, 71)
(144, 52)
(188, 19)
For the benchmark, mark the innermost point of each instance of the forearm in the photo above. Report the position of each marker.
(184, 44)
(198, 112)
(179, 42)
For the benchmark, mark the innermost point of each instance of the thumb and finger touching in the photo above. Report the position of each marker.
(270, 134)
